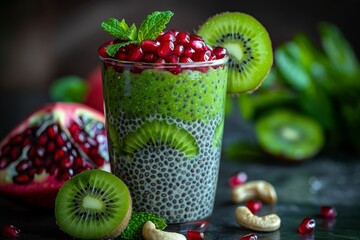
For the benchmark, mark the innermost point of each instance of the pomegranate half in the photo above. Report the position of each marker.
(49, 147)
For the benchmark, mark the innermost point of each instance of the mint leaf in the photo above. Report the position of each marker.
(119, 30)
(112, 49)
(153, 25)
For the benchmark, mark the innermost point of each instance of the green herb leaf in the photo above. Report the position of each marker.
(68, 89)
(154, 24)
(119, 30)
(112, 49)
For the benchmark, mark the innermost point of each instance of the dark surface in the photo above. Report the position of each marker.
(301, 189)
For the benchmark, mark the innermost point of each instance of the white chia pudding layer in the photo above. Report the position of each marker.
(163, 180)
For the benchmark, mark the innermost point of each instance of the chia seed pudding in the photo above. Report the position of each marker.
(165, 134)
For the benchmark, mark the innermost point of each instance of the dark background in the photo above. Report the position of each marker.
(44, 40)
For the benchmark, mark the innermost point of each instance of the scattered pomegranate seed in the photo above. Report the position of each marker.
(250, 236)
(237, 179)
(178, 50)
(136, 54)
(328, 212)
(307, 225)
(195, 235)
(254, 206)
(167, 36)
(10, 231)
(165, 49)
(182, 38)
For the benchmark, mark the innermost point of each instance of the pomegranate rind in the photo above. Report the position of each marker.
(42, 190)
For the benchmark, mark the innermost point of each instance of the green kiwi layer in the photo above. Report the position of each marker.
(248, 45)
(189, 96)
(93, 205)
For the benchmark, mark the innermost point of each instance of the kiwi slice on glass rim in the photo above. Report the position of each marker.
(287, 135)
(93, 204)
(248, 45)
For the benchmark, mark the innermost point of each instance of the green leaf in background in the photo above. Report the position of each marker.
(289, 61)
(68, 89)
(338, 49)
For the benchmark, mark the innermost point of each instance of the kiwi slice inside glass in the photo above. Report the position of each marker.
(287, 135)
(159, 132)
(248, 45)
(93, 204)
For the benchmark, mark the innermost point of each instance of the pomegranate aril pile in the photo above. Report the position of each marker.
(307, 225)
(169, 47)
(10, 232)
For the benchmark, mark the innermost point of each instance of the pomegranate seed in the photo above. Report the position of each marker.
(23, 165)
(10, 231)
(42, 139)
(188, 52)
(4, 162)
(185, 60)
(149, 46)
(23, 178)
(160, 60)
(52, 131)
(182, 38)
(172, 59)
(307, 225)
(328, 212)
(197, 45)
(195, 235)
(196, 37)
(175, 32)
(102, 49)
(136, 54)
(167, 36)
(178, 50)
(254, 206)
(175, 70)
(65, 175)
(50, 147)
(202, 56)
(121, 56)
(165, 49)
(66, 162)
(219, 52)
(250, 236)
(237, 179)
(15, 153)
(149, 57)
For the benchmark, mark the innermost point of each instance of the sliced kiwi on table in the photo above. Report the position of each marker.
(158, 133)
(288, 135)
(93, 204)
(248, 45)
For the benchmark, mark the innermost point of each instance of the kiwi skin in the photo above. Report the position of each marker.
(80, 182)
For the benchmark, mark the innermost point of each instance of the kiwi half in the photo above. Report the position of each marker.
(159, 132)
(93, 204)
(248, 45)
(287, 135)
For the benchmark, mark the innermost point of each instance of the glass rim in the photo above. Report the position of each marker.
(215, 62)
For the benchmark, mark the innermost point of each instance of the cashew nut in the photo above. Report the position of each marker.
(259, 189)
(150, 232)
(267, 223)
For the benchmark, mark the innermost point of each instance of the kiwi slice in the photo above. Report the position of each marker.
(93, 204)
(159, 132)
(288, 135)
(248, 45)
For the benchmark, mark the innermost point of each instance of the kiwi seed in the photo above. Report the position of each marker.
(159, 132)
(248, 45)
(287, 135)
(93, 204)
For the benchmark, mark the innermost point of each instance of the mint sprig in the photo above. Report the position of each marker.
(150, 28)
